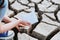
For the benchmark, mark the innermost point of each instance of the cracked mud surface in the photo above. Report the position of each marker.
(48, 13)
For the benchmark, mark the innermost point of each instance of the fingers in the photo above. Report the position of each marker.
(25, 23)
(21, 25)
(18, 28)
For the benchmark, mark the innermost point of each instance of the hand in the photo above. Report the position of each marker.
(23, 23)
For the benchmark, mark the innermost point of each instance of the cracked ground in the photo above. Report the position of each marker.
(48, 14)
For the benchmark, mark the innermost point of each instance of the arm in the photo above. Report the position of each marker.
(8, 26)
(22, 23)
(13, 24)
(6, 19)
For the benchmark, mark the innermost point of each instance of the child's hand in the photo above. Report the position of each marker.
(22, 23)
